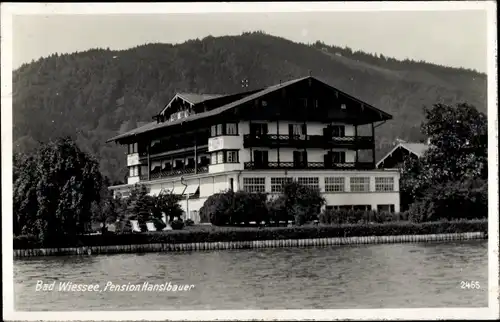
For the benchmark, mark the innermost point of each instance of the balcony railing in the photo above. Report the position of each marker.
(310, 165)
(307, 141)
(173, 173)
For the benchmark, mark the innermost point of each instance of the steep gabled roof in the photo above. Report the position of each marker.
(229, 106)
(192, 98)
(418, 149)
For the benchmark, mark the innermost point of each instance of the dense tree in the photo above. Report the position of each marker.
(234, 208)
(300, 202)
(450, 179)
(54, 189)
(95, 94)
(168, 204)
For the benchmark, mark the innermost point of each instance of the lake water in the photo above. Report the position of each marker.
(342, 277)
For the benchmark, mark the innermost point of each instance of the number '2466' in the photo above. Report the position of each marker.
(470, 285)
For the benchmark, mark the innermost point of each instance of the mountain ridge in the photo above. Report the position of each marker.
(99, 93)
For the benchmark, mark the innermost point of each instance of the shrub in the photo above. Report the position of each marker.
(159, 224)
(234, 208)
(331, 217)
(177, 224)
(277, 212)
(299, 202)
(123, 226)
(267, 233)
(189, 222)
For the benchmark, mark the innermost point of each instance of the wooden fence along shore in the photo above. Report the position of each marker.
(146, 248)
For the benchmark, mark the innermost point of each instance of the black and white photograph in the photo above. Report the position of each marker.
(265, 161)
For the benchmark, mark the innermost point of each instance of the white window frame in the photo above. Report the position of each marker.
(232, 156)
(359, 184)
(311, 182)
(334, 184)
(277, 184)
(220, 157)
(231, 129)
(257, 184)
(133, 171)
(384, 184)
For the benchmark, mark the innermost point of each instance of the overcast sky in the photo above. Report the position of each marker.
(452, 38)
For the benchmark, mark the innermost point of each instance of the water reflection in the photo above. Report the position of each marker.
(366, 276)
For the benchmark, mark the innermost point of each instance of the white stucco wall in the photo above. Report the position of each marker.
(225, 167)
(132, 159)
(228, 142)
(133, 180)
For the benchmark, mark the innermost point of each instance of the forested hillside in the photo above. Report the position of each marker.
(96, 94)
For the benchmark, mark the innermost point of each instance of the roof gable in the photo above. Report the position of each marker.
(418, 149)
(192, 99)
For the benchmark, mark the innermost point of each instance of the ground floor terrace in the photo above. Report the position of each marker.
(366, 190)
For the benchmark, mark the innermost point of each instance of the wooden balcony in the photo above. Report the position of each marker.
(310, 166)
(308, 141)
(173, 173)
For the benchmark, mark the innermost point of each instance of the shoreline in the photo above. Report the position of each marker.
(275, 243)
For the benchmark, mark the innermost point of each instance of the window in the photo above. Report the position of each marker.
(134, 171)
(343, 106)
(336, 157)
(360, 184)
(258, 129)
(203, 161)
(304, 102)
(254, 184)
(299, 159)
(224, 157)
(338, 131)
(335, 184)
(310, 182)
(385, 208)
(384, 184)
(297, 129)
(231, 129)
(219, 129)
(132, 148)
(231, 156)
(264, 103)
(277, 184)
(260, 158)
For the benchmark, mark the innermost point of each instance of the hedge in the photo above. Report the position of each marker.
(268, 233)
